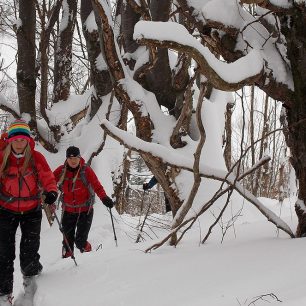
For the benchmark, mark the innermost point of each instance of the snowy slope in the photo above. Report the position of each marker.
(255, 261)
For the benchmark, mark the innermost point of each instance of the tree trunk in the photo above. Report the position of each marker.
(228, 134)
(43, 59)
(159, 79)
(128, 20)
(26, 75)
(296, 114)
(63, 52)
(253, 148)
(121, 184)
(99, 76)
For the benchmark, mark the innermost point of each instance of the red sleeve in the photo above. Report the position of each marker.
(45, 175)
(94, 182)
(57, 172)
(3, 142)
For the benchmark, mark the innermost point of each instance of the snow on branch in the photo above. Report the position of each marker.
(118, 72)
(187, 223)
(64, 111)
(9, 107)
(223, 76)
(174, 159)
(273, 5)
(234, 32)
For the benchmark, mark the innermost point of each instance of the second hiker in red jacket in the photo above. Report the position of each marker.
(78, 185)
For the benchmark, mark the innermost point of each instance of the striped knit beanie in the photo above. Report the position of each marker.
(18, 129)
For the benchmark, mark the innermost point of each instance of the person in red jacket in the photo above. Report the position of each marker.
(24, 177)
(78, 185)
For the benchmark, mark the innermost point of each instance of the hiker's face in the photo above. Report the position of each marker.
(73, 162)
(19, 145)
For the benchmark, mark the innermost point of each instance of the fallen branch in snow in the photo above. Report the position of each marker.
(221, 192)
(193, 219)
(168, 155)
(263, 298)
(219, 217)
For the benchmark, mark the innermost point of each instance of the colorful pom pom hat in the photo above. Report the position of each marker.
(18, 129)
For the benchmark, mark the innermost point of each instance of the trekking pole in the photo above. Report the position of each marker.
(115, 237)
(65, 238)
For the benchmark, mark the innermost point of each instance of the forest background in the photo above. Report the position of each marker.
(208, 96)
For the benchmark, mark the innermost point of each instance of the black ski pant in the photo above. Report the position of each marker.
(76, 227)
(30, 225)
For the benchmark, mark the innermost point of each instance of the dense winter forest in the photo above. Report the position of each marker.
(170, 82)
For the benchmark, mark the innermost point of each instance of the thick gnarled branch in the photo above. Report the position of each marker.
(204, 67)
(225, 44)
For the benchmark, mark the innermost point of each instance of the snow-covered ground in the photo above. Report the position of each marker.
(253, 260)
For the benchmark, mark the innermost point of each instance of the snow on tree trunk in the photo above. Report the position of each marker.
(99, 74)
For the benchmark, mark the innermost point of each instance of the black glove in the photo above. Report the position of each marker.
(145, 186)
(50, 197)
(108, 202)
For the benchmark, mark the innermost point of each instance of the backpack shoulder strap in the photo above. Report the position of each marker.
(87, 183)
(61, 182)
(35, 171)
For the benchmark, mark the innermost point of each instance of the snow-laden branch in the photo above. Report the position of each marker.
(283, 6)
(118, 71)
(9, 107)
(223, 76)
(234, 32)
(192, 219)
(174, 159)
(64, 111)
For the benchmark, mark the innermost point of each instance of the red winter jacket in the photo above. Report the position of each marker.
(77, 198)
(21, 193)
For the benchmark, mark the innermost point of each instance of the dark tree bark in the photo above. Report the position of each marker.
(228, 135)
(159, 78)
(43, 59)
(99, 78)
(26, 74)
(294, 30)
(63, 53)
(128, 20)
